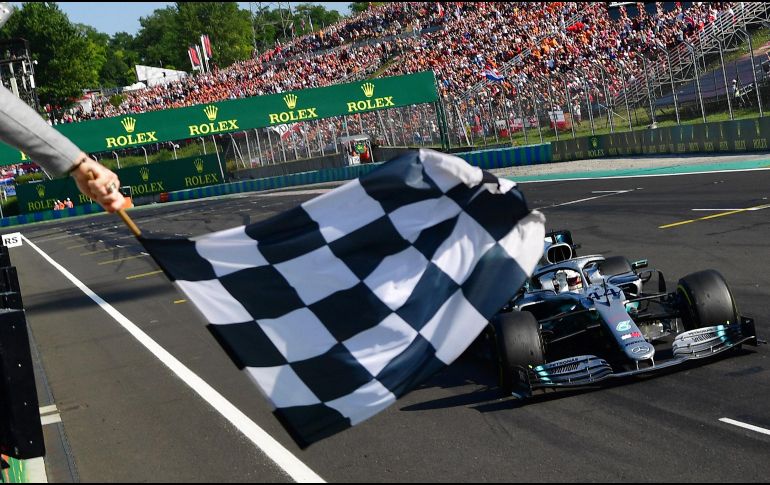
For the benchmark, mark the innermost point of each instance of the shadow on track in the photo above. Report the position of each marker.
(72, 298)
(489, 399)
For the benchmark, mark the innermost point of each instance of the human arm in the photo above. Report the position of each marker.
(22, 128)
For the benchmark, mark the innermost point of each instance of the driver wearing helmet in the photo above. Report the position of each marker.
(567, 280)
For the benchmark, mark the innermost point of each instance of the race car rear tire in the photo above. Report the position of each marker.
(705, 300)
(519, 345)
(615, 265)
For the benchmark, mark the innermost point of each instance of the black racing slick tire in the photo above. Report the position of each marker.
(705, 300)
(519, 345)
(615, 265)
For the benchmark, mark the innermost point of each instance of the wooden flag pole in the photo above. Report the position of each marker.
(123, 215)
(129, 222)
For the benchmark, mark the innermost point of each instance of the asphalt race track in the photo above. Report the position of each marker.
(127, 417)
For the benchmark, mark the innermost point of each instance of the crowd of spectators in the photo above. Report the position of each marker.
(565, 42)
(382, 21)
(594, 53)
(585, 54)
(560, 58)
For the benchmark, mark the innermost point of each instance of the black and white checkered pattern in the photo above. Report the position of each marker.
(340, 306)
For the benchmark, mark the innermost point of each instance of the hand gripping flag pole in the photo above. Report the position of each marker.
(126, 218)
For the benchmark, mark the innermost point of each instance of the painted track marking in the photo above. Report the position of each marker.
(143, 275)
(714, 216)
(745, 426)
(608, 194)
(282, 457)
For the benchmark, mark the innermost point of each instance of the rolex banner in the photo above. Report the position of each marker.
(185, 173)
(244, 114)
(714, 137)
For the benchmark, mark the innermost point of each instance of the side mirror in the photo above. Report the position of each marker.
(646, 276)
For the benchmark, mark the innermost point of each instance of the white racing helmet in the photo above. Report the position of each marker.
(567, 280)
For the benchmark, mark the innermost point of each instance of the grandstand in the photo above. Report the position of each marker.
(558, 59)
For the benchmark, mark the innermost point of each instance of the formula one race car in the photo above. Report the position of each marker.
(583, 320)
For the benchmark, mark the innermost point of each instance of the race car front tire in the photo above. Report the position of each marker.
(519, 345)
(705, 300)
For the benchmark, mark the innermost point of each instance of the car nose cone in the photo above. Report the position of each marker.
(640, 350)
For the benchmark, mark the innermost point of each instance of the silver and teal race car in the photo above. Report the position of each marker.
(580, 320)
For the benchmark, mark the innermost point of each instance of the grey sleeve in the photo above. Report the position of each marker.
(22, 128)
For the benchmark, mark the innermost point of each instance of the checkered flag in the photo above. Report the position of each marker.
(338, 307)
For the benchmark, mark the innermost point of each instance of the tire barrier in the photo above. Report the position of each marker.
(50, 215)
(508, 157)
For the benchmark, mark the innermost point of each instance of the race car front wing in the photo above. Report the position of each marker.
(695, 344)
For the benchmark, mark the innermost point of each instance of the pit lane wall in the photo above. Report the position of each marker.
(715, 137)
(508, 157)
